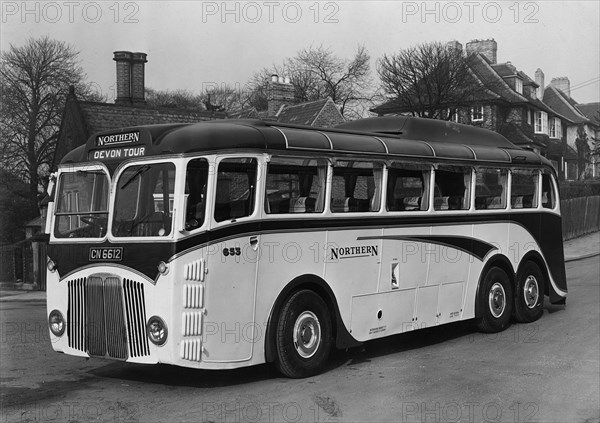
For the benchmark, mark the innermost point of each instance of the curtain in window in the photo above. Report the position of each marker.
(322, 177)
(377, 178)
(466, 195)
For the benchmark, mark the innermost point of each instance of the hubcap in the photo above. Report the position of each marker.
(307, 334)
(531, 291)
(497, 300)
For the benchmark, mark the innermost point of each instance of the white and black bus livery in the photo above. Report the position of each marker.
(231, 243)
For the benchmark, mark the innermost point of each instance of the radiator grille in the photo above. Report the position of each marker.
(106, 317)
(76, 314)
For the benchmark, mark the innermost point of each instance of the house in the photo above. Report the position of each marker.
(583, 117)
(84, 118)
(284, 107)
(507, 101)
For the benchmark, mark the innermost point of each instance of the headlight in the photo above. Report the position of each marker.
(56, 322)
(156, 330)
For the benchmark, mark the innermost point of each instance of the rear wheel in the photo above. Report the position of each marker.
(495, 301)
(529, 298)
(303, 336)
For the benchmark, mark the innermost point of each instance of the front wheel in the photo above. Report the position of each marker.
(529, 300)
(495, 301)
(303, 335)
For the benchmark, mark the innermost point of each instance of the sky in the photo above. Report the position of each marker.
(196, 45)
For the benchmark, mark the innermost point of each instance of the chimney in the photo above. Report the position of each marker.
(130, 77)
(123, 59)
(539, 79)
(137, 78)
(488, 48)
(562, 83)
(454, 45)
(280, 92)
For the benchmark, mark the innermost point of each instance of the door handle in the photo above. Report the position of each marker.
(254, 242)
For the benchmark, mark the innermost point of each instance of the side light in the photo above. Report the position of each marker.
(157, 331)
(163, 269)
(51, 265)
(56, 322)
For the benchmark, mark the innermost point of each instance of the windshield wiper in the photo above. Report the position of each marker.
(137, 173)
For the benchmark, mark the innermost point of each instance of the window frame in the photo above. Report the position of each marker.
(477, 113)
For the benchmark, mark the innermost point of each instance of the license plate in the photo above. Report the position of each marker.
(106, 254)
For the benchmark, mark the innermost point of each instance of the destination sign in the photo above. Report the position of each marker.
(121, 153)
(114, 139)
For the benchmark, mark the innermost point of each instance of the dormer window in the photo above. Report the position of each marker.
(477, 113)
(519, 85)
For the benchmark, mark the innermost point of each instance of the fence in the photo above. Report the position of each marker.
(580, 216)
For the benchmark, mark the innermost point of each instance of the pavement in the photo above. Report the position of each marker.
(575, 249)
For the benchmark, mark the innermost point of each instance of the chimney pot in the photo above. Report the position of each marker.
(539, 79)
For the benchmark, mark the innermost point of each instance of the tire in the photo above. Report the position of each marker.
(529, 298)
(303, 335)
(495, 301)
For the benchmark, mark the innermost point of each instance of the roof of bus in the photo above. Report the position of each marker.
(386, 136)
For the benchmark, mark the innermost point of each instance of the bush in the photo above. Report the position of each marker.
(575, 189)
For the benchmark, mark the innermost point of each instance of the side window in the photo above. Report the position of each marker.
(236, 189)
(295, 185)
(524, 188)
(490, 188)
(548, 193)
(407, 189)
(356, 187)
(452, 188)
(195, 193)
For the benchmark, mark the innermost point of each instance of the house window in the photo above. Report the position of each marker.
(552, 127)
(558, 127)
(541, 122)
(529, 116)
(453, 114)
(518, 85)
(477, 113)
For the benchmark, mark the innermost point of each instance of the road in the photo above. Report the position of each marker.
(547, 371)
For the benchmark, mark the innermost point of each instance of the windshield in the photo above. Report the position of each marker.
(82, 199)
(144, 201)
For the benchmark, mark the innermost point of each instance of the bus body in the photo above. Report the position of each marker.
(232, 243)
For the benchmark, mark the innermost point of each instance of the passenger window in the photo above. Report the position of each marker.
(524, 188)
(236, 189)
(295, 185)
(452, 188)
(407, 189)
(195, 193)
(356, 187)
(490, 188)
(548, 193)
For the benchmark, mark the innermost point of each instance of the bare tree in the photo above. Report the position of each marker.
(34, 82)
(428, 80)
(317, 73)
(583, 152)
(177, 99)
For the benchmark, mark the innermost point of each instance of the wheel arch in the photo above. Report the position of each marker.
(497, 260)
(342, 337)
